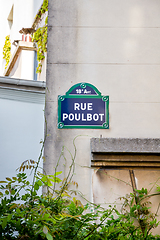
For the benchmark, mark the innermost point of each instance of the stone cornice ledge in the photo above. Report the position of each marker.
(21, 84)
(125, 145)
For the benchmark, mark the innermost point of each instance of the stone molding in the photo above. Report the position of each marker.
(125, 153)
(21, 84)
(129, 145)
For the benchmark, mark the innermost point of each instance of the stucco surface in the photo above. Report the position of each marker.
(114, 46)
(105, 13)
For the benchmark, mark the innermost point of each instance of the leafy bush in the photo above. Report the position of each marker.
(58, 214)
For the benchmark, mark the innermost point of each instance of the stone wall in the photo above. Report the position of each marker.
(115, 46)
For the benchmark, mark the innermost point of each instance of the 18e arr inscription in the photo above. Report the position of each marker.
(83, 106)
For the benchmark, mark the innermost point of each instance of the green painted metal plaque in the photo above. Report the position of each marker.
(83, 106)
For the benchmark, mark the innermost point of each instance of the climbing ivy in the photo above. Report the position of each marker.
(44, 7)
(40, 37)
(7, 50)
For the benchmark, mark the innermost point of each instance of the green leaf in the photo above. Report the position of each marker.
(36, 186)
(9, 217)
(44, 178)
(9, 179)
(121, 238)
(46, 216)
(39, 183)
(49, 237)
(6, 192)
(56, 179)
(4, 223)
(57, 173)
(27, 183)
(158, 188)
(13, 192)
(18, 210)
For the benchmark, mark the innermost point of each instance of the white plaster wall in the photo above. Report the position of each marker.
(109, 186)
(16, 70)
(115, 46)
(21, 129)
(24, 66)
(24, 13)
(27, 67)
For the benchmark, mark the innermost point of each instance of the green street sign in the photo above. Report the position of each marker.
(83, 106)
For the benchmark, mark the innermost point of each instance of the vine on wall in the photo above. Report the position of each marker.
(7, 50)
(43, 8)
(40, 37)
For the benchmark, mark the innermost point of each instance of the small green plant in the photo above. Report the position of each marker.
(137, 207)
(58, 214)
(7, 50)
(40, 37)
(43, 8)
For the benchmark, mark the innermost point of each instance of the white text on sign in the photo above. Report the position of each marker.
(83, 116)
